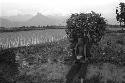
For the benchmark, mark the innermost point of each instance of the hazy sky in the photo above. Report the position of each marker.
(58, 7)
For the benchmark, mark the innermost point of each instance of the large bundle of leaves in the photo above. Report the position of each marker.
(82, 24)
(91, 25)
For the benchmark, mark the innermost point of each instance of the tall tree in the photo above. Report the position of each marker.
(120, 11)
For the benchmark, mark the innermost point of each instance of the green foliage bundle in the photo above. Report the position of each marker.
(92, 25)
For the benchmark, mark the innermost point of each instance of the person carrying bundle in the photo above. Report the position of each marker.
(80, 53)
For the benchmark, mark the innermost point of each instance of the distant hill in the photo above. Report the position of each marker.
(8, 23)
(42, 20)
(61, 19)
(18, 18)
(112, 21)
(37, 20)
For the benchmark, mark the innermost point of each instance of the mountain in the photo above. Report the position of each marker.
(112, 21)
(37, 20)
(18, 18)
(42, 20)
(8, 23)
(61, 20)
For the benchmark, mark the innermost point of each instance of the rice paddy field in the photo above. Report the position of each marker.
(25, 38)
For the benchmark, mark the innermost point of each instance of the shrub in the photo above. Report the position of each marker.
(8, 65)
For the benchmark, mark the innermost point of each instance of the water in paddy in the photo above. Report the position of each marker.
(22, 38)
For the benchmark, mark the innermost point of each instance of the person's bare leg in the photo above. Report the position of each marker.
(81, 80)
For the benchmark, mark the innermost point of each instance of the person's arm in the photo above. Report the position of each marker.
(78, 50)
(79, 55)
